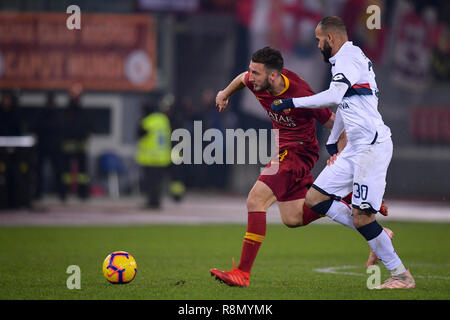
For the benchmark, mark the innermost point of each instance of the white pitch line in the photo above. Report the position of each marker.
(337, 270)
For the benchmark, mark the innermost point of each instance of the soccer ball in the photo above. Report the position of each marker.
(119, 267)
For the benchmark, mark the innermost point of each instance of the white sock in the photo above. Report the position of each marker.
(381, 245)
(341, 213)
(383, 248)
(399, 270)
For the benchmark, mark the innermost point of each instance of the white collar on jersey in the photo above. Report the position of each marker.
(341, 49)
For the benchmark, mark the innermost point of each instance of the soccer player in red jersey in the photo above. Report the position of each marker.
(290, 177)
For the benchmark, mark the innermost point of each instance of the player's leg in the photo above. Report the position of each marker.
(293, 210)
(380, 241)
(368, 191)
(332, 184)
(372, 259)
(340, 212)
(295, 213)
(291, 213)
(337, 181)
(259, 199)
(330, 206)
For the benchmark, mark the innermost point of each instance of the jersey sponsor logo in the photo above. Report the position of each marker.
(344, 105)
(282, 119)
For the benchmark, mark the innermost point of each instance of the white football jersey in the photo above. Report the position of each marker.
(359, 107)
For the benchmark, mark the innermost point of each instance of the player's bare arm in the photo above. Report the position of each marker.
(235, 85)
(342, 141)
(329, 124)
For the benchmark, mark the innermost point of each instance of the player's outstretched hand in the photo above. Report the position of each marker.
(281, 104)
(221, 101)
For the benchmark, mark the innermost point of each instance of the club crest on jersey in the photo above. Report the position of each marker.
(277, 102)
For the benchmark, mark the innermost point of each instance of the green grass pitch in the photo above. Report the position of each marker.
(174, 262)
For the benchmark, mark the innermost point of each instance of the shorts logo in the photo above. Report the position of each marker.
(364, 206)
(282, 155)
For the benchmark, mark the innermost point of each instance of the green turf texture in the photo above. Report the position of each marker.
(174, 261)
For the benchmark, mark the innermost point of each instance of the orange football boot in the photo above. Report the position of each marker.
(383, 209)
(235, 277)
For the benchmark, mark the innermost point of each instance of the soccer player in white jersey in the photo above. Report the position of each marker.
(362, 165)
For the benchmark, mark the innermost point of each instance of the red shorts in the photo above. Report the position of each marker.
(293, 177)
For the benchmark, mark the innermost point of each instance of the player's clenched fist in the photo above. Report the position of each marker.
(281, 104)
(221, 100)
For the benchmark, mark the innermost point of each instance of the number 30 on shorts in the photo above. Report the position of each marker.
(360, 191)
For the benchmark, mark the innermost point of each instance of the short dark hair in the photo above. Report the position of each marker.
(333, 22)
(270, 57)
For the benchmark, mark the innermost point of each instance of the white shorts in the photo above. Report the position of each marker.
(360, 169)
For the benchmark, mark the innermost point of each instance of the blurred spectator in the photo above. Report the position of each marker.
(212, 118)
(441, 54)
(194, 175)
(48, 129)
(414, 43)
(16, 160)
(178, 173)
(215, 175)
(204, 175)
(188, 111)
(76, 132)
(9, 126)
(10, 120)
(154, 152)
(371, 41)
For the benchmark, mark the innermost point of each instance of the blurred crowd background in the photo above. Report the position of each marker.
(75, 103)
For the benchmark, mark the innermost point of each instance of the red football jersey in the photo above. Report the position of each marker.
(298, 125)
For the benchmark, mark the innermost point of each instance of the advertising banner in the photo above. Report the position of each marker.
(109, 51)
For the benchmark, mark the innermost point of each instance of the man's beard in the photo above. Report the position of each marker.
(326, 52)
(265, 86)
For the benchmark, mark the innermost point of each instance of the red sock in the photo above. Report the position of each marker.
(309, 215)
(256, 230)
(348, 198)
